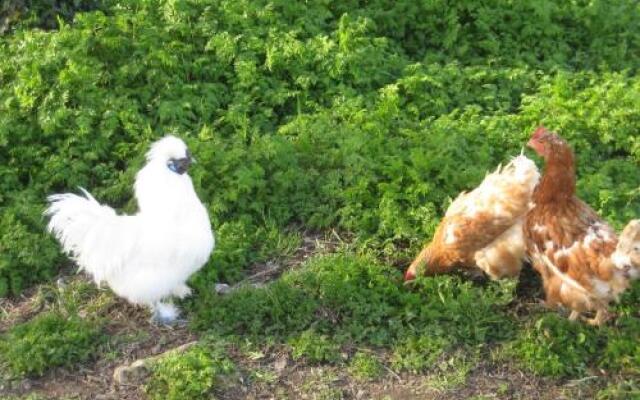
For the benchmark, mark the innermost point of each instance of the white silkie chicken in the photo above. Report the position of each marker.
(148, 256)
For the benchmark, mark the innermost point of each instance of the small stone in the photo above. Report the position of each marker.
(281, 363)
(131, 374)
(222, 288)
(61, 284)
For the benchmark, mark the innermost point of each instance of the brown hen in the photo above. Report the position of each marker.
(576, 252)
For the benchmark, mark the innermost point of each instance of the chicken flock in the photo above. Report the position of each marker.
(515, 215)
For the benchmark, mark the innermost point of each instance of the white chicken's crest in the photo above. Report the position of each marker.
(148, 256)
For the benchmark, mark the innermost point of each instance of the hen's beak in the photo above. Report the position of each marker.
(180, 165)
(409, 275)
(536, 146)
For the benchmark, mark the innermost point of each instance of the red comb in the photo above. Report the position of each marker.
(540, 132)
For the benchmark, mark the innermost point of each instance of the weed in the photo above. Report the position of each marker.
(365, 121)
(620, 391)
(419, 354)
(190, 375)
(554, 346)
(365, 366)
(452, 372)
(320, 385)
(50, 339)
(314, 348)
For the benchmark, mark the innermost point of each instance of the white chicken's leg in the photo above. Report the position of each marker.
(181, 291)
(164, 313)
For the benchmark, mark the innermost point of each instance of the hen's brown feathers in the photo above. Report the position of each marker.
(483, 227)
(568, 243)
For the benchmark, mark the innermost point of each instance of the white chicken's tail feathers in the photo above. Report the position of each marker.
(72, 220)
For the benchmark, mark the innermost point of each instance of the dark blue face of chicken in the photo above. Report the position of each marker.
(180, 165)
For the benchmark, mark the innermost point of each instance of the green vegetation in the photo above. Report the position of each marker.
(363, 121)
(554, 346)
(365, 366)
(419, 353)
(51, 339)
(41, 13)
(357, 299)
(360, 118)
(190, 375)
(314, 348)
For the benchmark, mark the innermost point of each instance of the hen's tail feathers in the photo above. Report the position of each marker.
(73, 220)
(523, 170)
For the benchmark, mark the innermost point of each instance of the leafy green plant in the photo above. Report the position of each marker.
(419, 354)
(50, 339)
(189, 375)
(619, 391)
(554, 346)
(365, 366)
(314, 348)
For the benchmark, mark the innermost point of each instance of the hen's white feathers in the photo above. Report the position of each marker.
(147, 256)
(501, 191)
(484, 226)
(507, 192)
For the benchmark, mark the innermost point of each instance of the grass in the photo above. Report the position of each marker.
(190, 375)
(419, 353)
(365, 366)
(49, 340)
(314, 348)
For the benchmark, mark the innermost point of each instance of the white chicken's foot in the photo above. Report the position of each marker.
(164, 313)
(181, 291)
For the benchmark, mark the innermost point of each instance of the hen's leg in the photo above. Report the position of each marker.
(181, 291)
(601, 317)
(574, 315)
(164, 313)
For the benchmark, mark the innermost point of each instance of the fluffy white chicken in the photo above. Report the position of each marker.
(148, 256)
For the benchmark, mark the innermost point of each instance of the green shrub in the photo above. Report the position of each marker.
(189, 375)
(314, 348)
(451, 307)
(620, 391)
(50, 339)
(355, 299)
(621, 350)
(555, 346)
(365, 366)
(41, 13)
(419, 354)
(279, 309)
(313, 115)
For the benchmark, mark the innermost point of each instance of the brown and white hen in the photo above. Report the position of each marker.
(582, 264)
(483, 228)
